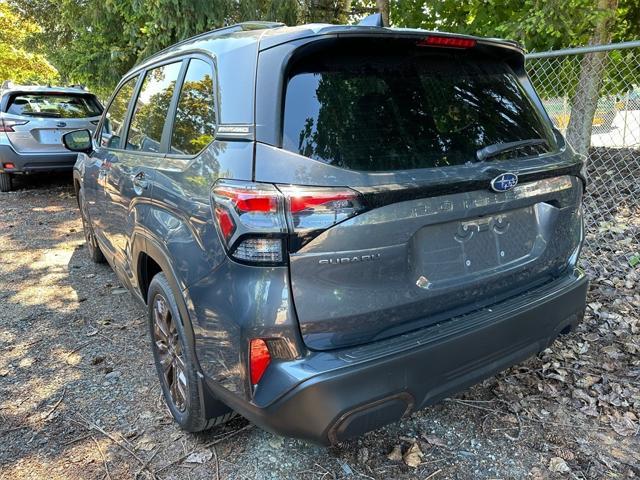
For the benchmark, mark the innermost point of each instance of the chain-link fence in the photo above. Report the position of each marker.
(592, 95)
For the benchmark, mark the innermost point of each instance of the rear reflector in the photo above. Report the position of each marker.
(259, 359)
(446, 41)
(9, 165)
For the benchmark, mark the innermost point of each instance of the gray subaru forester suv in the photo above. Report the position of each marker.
(333, 226)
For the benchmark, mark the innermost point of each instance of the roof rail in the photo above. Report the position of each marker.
(238, 27)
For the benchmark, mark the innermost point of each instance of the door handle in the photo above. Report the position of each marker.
(139, 181)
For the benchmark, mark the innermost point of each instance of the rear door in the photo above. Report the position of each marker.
(41, 118)
(451, 219)
(130, 169)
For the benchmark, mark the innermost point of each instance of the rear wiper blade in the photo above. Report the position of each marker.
(42, 114)
(497, 148)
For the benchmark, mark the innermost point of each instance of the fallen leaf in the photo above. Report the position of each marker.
(558, 465)
(396, 454)
(435, 441)
(624, 426)
(199, 457)
(413, 456)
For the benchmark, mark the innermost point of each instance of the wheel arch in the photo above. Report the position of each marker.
(150, 259)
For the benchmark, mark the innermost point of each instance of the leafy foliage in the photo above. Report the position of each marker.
(16, 62)
(96, 41)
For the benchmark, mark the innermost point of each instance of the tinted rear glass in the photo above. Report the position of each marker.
(54, 105)
(389, 111)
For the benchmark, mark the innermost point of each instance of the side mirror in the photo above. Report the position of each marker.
(78, 141)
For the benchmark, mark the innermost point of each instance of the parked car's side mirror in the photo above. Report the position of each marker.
(78, 141)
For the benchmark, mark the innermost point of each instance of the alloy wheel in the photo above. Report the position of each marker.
(170, 353)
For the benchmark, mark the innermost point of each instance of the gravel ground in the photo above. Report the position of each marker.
(79, 396)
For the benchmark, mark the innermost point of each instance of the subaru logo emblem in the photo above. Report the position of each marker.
(504, 182)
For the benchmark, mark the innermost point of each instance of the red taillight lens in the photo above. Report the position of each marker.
(7, 125)
(259, 359)
(9, 165)
(225, 222)
(318, 208)
(447, 41)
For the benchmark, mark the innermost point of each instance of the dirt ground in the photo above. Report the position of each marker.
(79, 396)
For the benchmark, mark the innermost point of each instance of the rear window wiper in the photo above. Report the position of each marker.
(497, 148)
(42, 114)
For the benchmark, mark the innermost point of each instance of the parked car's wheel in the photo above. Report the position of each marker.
(175, 364)
(5, 182)
(89, 236)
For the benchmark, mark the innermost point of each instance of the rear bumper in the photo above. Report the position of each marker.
(32, 163)
(328, 397)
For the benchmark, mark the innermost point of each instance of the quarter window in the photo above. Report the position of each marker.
(195, 119)
(152, 106)
(114, 118)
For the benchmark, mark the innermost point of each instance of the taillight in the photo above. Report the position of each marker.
(447, 41)
(259, 359)
(256, 221)
(318, 208)
(7, 125)
(250, 219)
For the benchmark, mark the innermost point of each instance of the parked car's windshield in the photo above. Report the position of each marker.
(55, 105)
(405, 111)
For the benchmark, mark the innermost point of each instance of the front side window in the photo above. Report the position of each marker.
(393, 109)
(111, 133)
(195, 120)
(54, 105)
(152, 106)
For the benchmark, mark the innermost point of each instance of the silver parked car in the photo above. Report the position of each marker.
(32, 122)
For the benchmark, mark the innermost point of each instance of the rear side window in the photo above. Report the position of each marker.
(54, 105)
(111, 133)
(195, 119)
(405, 110)
(152, 106)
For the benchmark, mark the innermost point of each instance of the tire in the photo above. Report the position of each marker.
(93, 248)
(190, 404)
(5, 182)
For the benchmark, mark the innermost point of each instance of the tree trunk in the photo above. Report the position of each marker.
(383, 8)
(592, 69)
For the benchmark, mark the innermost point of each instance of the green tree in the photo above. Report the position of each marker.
(17, 63)
(96, 41)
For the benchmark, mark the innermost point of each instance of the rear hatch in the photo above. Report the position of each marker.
(464, 195)
(36, 121)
